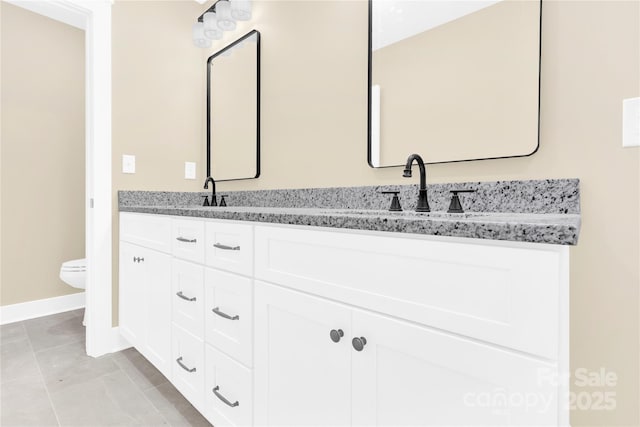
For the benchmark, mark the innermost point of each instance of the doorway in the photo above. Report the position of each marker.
(94, 18)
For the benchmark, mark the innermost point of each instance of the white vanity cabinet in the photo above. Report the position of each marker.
(275, 325)
(433, 331)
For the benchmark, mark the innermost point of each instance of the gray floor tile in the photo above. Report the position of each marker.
(17, 360)
(139, 369)
(110, 400)
(25, 402)
(55, 330)
(12, 332)
(174, 407)
(68, 365)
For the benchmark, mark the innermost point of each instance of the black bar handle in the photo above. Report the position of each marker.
(183, 366)
(184, 297)
(185, 240)
(224, 399)
(225, 247)
(217, 311)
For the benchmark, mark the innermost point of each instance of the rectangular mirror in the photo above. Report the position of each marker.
(233, 110)
(453, 80)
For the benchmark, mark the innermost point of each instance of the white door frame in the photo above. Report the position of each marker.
(94, 17)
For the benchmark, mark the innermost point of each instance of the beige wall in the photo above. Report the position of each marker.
(42, 154)
(158, 101)
(314, 134)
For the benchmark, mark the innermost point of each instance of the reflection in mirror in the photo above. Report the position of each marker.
(233, 110)
(453, 80)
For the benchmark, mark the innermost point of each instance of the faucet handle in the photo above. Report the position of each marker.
(206, 201)
(455, 206)
(223, 202)
(395, 202)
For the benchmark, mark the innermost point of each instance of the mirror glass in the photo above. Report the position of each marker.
(233, 110)
(453, 80)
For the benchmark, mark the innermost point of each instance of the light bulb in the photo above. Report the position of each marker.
(199, 40)
(211, 30)
(223, 12)
(241, 10)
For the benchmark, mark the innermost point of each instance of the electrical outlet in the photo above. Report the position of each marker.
(128, 163)
(189, 170)
(631, 122)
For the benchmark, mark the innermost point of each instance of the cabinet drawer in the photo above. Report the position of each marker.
(187, 373)
(187, 294)
(188, 239)
(503, 294)
(229, 313)
(228, 397)
(149, 231)
(229, 246)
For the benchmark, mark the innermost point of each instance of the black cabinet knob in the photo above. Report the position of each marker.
(359, 343)
(336, 335)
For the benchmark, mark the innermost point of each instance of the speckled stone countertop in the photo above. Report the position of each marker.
(544, 211)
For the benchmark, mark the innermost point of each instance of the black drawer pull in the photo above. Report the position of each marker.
(181, 295)
(185, 240)
(225, 247)
(225, 315)
(224, 399)
(183, 366)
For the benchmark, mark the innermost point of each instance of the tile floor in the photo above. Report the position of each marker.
(46, 379)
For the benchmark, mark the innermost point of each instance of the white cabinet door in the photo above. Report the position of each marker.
(411, 375)
(132, 293)
(145, 303)
(302, 377)
(157, 348)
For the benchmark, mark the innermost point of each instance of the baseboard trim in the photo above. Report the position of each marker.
(43, 307)
(118, 343)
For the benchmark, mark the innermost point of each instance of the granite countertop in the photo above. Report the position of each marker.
(553, 228)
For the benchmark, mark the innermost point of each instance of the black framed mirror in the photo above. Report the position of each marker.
(233, 110)
(453, 80)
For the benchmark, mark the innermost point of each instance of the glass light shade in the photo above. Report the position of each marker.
(211, 30)
(223, 12)
(199, 40)
(240, 10)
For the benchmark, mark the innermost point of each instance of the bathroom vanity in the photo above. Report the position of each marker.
(260, 322)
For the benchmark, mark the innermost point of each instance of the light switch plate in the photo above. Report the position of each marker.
(128, 163)
(189, 170)
(631, 122)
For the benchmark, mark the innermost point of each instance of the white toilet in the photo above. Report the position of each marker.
(74, 273)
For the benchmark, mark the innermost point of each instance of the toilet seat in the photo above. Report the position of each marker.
(75, 265)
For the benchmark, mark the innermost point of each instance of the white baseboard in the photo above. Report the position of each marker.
(43, 307)
(118, 342)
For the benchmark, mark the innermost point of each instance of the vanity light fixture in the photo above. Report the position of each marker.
(220, 17)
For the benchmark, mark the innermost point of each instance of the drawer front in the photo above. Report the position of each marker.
(149, 231)
(188, 239)
(187, 295)
(504, 295)
(229, 314)
(229, 246)
(228, 397)
(187, 372)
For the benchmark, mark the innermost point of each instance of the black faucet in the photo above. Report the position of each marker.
(423, 204)
(214, 202)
